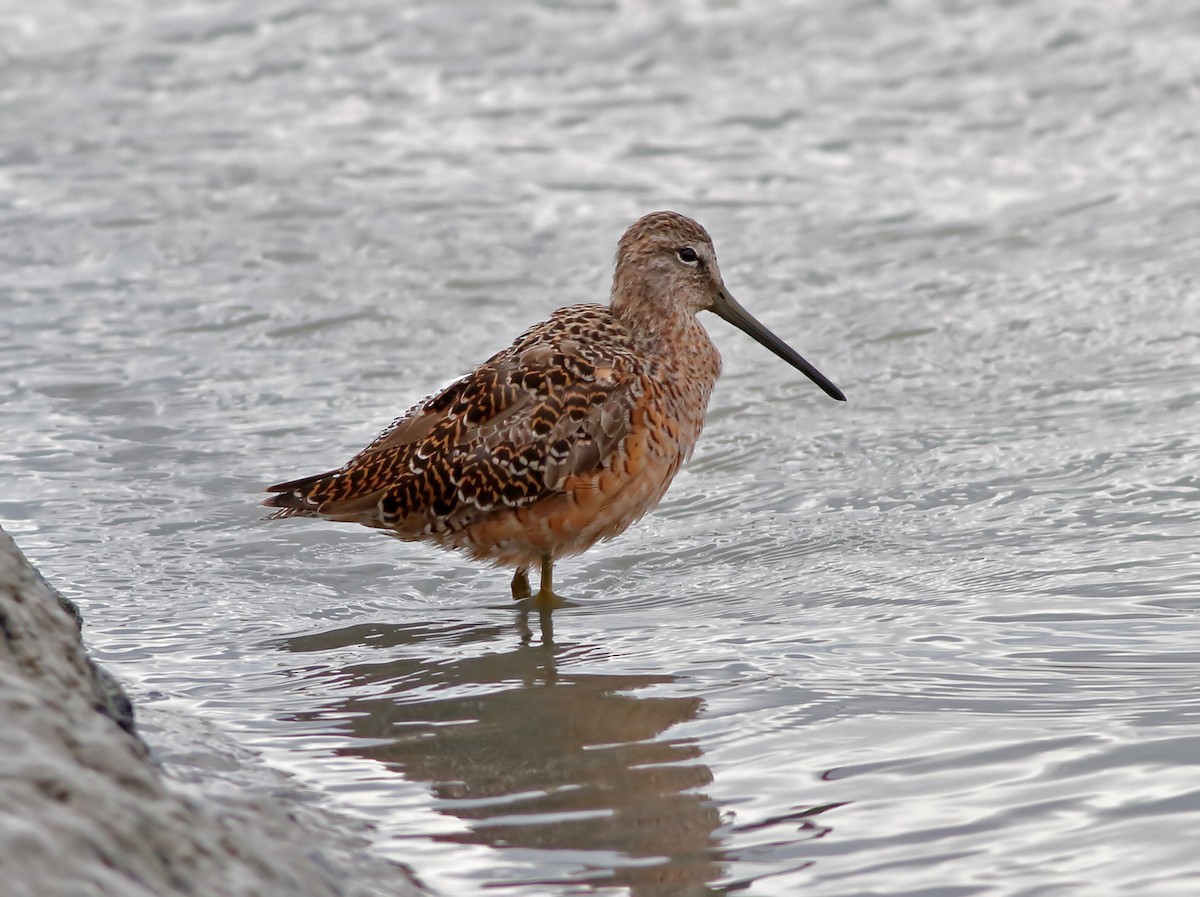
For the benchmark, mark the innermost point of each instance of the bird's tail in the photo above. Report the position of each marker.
(294, 498)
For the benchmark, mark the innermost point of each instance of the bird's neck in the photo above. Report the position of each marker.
(681, 360)
(669, 336)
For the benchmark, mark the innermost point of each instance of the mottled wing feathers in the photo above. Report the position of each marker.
(554, 404)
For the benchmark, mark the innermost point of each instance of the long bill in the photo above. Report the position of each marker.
(731, 311)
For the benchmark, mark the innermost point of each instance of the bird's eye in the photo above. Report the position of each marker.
(688, 254)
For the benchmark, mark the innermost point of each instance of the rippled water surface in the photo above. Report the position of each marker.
(941, 640)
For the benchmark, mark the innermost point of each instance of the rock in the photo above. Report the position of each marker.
(109, 697)
(84, 811)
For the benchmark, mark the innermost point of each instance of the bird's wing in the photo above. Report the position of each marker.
(556, 403)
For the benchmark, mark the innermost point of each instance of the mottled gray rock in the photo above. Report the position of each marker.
(84, 812)
(109, 697)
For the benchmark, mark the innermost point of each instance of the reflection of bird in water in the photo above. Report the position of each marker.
(564, 438)
(531, 753)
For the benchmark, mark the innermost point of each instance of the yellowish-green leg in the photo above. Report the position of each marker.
(546, 599)
(520, 584)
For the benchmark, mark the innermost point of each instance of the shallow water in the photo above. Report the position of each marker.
(941, 640)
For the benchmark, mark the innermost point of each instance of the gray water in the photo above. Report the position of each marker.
(941, 640)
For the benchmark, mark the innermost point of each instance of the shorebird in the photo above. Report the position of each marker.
(566, 437)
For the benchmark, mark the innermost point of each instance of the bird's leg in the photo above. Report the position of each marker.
(546, 599)
(520, 584)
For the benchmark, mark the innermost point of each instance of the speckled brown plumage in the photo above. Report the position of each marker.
(564, 438)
